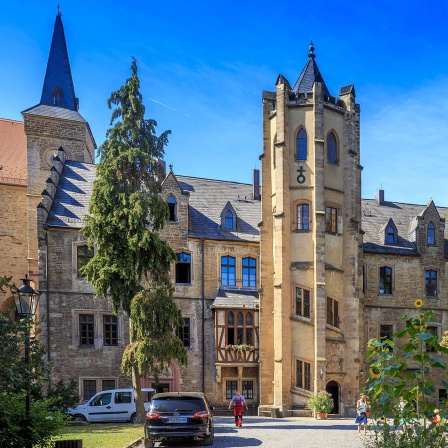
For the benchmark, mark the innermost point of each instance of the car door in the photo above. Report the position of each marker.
(123, 405)
(100, 408)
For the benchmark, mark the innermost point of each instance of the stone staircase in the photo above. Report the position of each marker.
(274, 412)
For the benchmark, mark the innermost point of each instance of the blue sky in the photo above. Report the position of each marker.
(203, 66)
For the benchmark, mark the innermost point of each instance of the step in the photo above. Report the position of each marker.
(300, 413)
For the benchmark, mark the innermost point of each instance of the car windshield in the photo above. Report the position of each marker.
(177, 404)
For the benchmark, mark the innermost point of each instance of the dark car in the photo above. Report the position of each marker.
(179, 415)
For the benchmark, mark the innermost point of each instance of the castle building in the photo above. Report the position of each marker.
(280, 283)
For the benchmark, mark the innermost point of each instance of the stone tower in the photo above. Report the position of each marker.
(53, 123)
(311, 244)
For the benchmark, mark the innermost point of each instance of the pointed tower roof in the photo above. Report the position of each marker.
(310, 74)
(58, 89)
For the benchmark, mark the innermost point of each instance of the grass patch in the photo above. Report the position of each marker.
(98, 435)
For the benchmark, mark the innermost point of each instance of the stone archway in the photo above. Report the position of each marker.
(333, 389)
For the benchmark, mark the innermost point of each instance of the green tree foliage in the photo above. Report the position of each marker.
(132, 263)
(153, 342)
(46, 410)
(126, 211)
(402, 392)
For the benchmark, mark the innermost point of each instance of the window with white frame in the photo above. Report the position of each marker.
(303, 217)
(249, 267)
(228, 271)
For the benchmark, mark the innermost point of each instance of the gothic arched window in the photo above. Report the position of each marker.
(332, 148)
(302, 145)
(431, 234)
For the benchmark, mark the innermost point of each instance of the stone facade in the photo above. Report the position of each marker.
(279, 292)
(301, 351)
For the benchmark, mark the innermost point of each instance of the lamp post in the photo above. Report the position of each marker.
(26, 299)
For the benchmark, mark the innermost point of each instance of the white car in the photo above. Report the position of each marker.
(109, 406)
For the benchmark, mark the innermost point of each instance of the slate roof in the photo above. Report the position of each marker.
(55, 112)
(310, 74)
(236, 298)
(375, 218)
(207, 201)
(71, 202)
(58, 72)
(13, 152)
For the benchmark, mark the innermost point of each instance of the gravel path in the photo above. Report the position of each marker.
(285, 433)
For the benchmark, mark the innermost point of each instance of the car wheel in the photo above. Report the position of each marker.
(133, 418)
(79, 418)
(149, 443)
(208, 439)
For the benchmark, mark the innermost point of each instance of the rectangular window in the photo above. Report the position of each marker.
(442, 397)
(240, 327)
(184, 332)
(249, 272)
(228, 270)
(428, 347)
(303, 375)
(303, 302)
(89, 389)
(385, 280)
(86, 329)
(332, 312)
(431, 283)
(303, 217)
(83, 256)
(183, 268)
(110, 330)
(386, 331)
(331, 220)
(248, 390)
(123, 397)
(108, 384)
(231, 388)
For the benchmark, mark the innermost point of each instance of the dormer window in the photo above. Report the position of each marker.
(431, 234)
(229, 220)
(57, 97)
(172, 207)
(390, 235)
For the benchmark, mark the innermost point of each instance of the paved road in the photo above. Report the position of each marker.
(285, 433)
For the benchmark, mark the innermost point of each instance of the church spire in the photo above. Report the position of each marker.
(310, 74)
(58, 89)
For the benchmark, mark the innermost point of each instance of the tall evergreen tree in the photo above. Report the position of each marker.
(131, 263)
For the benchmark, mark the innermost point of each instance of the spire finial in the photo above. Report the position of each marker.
(311, 48)
(171, 167)
(59, 11)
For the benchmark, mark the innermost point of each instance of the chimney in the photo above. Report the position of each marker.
(379, 197)
(257, 195)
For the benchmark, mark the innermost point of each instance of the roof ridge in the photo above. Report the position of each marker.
(214, 180)
(11, 120)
